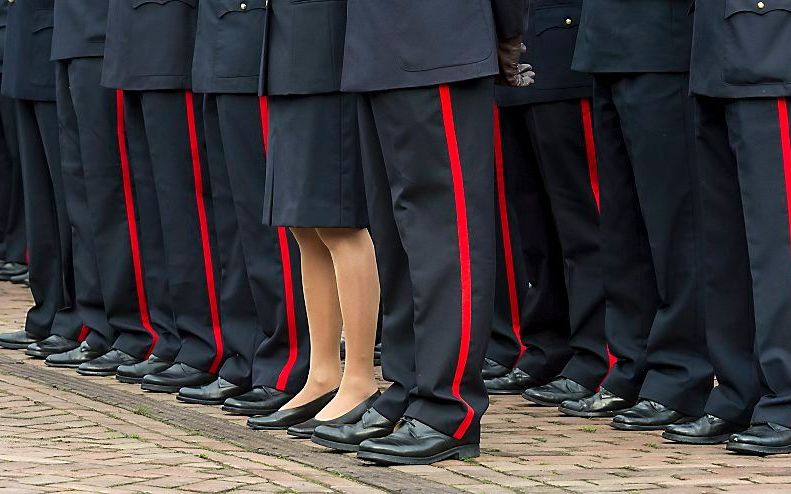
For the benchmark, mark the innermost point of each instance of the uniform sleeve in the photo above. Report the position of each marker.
(509, 17)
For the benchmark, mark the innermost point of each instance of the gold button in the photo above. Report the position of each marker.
(761, 5)
(11, 1)
(569, 22)
(243, 6)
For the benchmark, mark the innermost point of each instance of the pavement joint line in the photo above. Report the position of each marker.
(344, 466)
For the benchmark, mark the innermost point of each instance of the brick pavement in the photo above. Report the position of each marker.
(63, 433)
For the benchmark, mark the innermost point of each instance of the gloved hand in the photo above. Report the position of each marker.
(512, 72)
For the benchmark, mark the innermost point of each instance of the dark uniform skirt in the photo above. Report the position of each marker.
(314, 172)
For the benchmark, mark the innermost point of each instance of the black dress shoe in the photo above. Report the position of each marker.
(11, 269)
(73, 358)
(261, 400)
(107, 364)
(50, 346)
(513, 383)
(378, 354)
(175, 377)
(648, 416)
(347, 438)
(20, 279)
(283, 419)
(415, 443)
(133, 374)
(556, 392)
(18, 340)
(762, 439)
(602, 404)
(305, 429)
(214, 393)
(706, 430)
(492, 369)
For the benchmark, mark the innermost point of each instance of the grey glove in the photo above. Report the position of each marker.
(512, 72)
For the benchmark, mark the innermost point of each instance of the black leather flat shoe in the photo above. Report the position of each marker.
(648, 416)
(20, 279)
(601, 404)
(513, 383)
(347, 438)
(11, 269)
(415, 443)
(492, 369)
(175, 377)
(214, 393)
(73, 358)
(762, 439)
(261, 400)
(283, 419)
(17, 340)
(107, 364)
(50, 346)
(134, 374)
(556, 392)
(305, 429)
(706, 430)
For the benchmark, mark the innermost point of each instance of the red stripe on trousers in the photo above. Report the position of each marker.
(83, 333)
(785, 143)
(263, 105)
(505, 229)
(291, 312)
(208, 266)
(464, 254)
(131, 223)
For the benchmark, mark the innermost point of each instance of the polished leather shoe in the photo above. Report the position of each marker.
(50, 346)
(415, 443)
(17, 340)
(73, 358)
(762, 439)
(305, 429)
(378, 355)
(11, 269)
(175, 377)
(556, 392)
(283, 419)
(261, 400)
(513, 383)
(214, 393)
(20, 279)
(348, 437)
(134, 374)
(648, 416)
(492, 369)
(107, 364)
(706, 430)
(601, 404)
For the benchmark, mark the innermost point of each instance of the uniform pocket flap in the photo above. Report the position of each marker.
(227, 6)
(43, 19)
(760, 7)
(559, 17)
(138, 3)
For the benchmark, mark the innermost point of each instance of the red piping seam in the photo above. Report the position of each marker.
(204, 231)
(505, 229)
(291, 313)
(83, 333)
(590, 149)
(785, 141)
(464, 254)
(131, 222)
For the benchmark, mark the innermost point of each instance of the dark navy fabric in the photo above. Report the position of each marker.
(150, 44)
(80, 26)
(3, 24)
(28, 72)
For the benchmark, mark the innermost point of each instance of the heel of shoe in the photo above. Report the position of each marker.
(468, 451)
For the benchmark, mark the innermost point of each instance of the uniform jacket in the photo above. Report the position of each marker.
(28, 72)
(150, 44)
(3, 23)
(228, 46)
(741, 50)
(550, 35)
(634, 36)
(412, 43)
(79, 28)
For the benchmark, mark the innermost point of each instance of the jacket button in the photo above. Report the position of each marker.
(569, 21)
(761, 5)
(11, 1)
(243, 6)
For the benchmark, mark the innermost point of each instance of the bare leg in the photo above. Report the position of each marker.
(358, 291)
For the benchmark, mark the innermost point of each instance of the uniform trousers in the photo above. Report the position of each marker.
(166, 154)
(649, 231)
(261, 301)
(744, 152)
(47, 224)
(13, 244)
(548, 152)
(96, 197)
(428, 155)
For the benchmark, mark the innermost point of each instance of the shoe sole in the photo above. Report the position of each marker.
(501, 392)
(457, 453)
(129, 380)
(682, 439)
(754, 449)
(62, 366)
(341, 447)
(541, 402)
(630, 427)
(198, 401)
(270, 428)
(160, 388)
(247, 412)
(38, 354)
(299, 435)
(95, 373)
(590, 415)
(16, 346)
